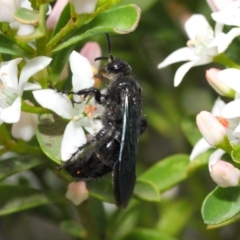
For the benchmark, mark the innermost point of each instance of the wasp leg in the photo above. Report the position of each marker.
(87, 91)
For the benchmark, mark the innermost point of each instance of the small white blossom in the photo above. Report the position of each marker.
(217, 5)
(81, 114)
(229, 15)
(84, 6)
(11, 90)
(203, 46)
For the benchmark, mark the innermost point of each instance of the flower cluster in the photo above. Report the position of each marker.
(221, 127)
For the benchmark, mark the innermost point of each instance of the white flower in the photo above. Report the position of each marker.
(7, 10)
(229, 15)
(84, 6)
(203, 46)
(81, 113)
(231, 77)
(217, 5)
(11, 90)
(218, 132)
(26, 127)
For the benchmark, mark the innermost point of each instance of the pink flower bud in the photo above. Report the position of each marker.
(213, 129)
(218, 5)
(220, 87)
(77, 192)
(224, 174)
(55, 14)
(92, 50)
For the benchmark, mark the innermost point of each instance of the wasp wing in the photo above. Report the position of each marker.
(124, 169)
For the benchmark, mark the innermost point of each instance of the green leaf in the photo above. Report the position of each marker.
(147, 234)
(121, 20)
(221, 205)
(58, 62)
(190, 130)
(146, 191)
(63, 19)
(179, 212)
(49, 134)
(167, 172)
(72, 228)
(7, 46)
(234, 219)
(20, 163)
(15, 198)
(235, 152)
(102, 189)
(27, 16)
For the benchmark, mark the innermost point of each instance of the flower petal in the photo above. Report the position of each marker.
(57, 102)
(196, 20)
(25, 29)
(232, 109)
(182, 54)
(77, 192)
(92, 50)
(32, 86)
(7, 10)
(228, 16)
(84, 6)
(218, 106)
(12, 113)
(231, 78)
(26, 127)
(9, 73)
(226, 39)
(82, 72)
(93, 126)
(55, 14)
(200, 147)
(214, 157)
(73, 138)
(32, 66)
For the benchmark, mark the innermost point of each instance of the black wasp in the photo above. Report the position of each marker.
(114, 148)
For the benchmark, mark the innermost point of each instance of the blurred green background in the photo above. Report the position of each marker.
(160, 32)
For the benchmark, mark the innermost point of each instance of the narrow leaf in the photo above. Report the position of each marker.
(15, 198)
(20, 163)
(147, 234)
(7, 46)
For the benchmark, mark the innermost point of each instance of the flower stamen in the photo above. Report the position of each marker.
(223, 121)
(91, 111)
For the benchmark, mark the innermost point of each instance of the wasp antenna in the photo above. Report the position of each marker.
(109, 47)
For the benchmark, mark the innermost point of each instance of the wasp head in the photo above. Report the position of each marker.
(115, 68)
